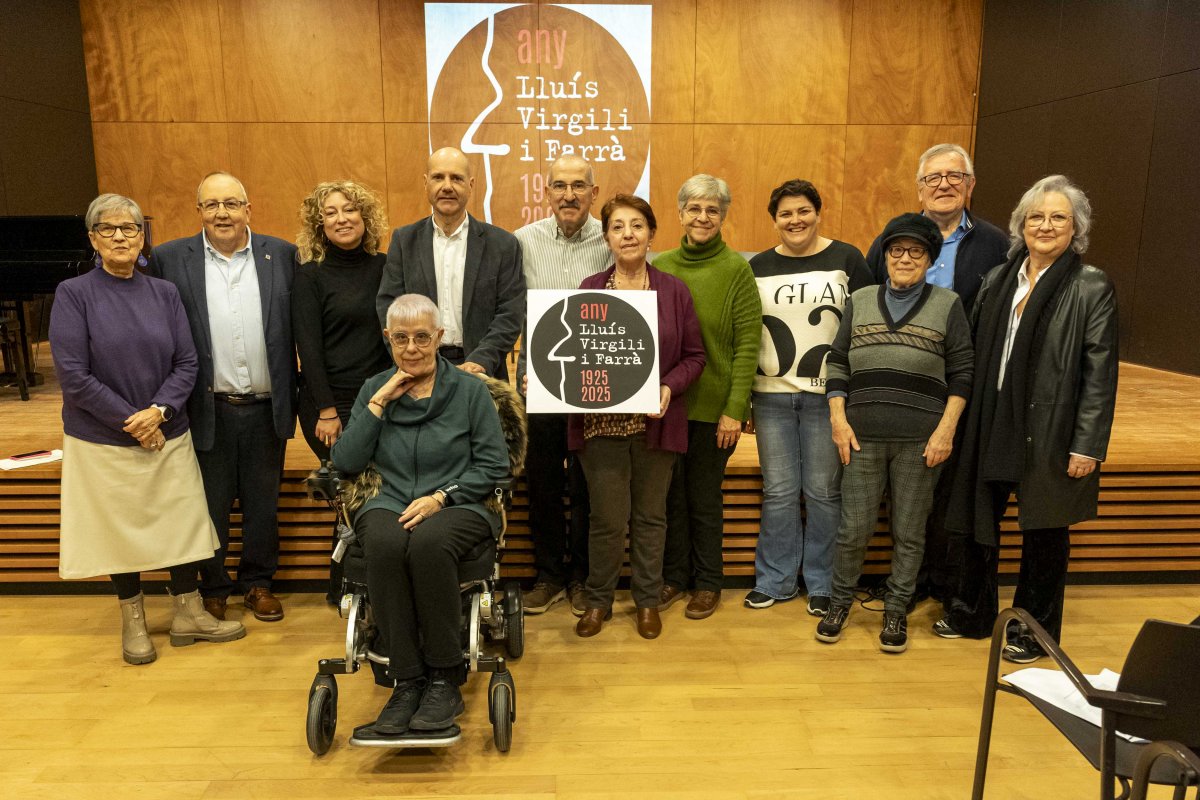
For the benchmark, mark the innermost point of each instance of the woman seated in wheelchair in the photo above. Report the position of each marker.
(431, 432)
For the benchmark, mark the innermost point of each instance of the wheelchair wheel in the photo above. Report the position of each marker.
(322, 714)
(500, 708)
(514, 616)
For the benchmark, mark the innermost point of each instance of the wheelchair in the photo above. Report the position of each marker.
(488, 614)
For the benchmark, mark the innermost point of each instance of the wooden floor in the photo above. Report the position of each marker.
(1149, 515)
(745, 704)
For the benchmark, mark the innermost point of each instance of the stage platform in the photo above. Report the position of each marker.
(1149, 501)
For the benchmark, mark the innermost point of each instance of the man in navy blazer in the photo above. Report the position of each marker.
(236, 289)
(471, 269)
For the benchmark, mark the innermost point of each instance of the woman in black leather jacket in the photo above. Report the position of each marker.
(1045, 329)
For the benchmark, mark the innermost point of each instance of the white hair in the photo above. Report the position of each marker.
(109, 203)
(410, 308)
(705, 187)
(1081, 210)
(946, 148)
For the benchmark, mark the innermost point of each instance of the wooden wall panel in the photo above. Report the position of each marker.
(402, 32)
(914, 68)
(673, 69)
(407, 147)
(302, 61)
(884, 179)
(163, 184)
(672, 161)
(279, 165)
(153, 60)
(772, 64)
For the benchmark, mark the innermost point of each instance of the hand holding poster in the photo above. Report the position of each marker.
(591, 351)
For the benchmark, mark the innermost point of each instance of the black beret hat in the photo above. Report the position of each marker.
(915, 226)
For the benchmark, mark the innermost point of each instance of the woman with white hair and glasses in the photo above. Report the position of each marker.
(1045, 330)
(132, 496)
(727, 304)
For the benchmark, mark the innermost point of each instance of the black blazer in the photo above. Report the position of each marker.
(182, 263)
(493, 286)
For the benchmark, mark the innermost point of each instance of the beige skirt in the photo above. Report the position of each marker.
(128, 509)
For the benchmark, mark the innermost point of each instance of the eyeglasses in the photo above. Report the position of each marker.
(211, 206)
(915, 252)
(128, 230)
(935, 180)
(578, 187)
(401, 340)
(1058, 220)
(695, 212)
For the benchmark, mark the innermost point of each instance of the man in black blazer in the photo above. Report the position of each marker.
(236, 289)
(471, 269)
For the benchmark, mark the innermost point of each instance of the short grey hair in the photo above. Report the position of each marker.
(110, 203)
(705, 187)
(1081, 210)
(241, 186)
(410, 308)
(945, 149)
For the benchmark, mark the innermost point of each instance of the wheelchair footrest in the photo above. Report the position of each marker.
(491, 664)
(367, 736)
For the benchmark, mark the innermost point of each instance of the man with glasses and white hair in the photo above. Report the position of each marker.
(236, 289)
(970, 247)
(558, 252)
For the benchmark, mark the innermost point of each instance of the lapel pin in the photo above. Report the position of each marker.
(268, 256)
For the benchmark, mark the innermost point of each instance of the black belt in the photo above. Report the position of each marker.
(451, 352)
(247, 399)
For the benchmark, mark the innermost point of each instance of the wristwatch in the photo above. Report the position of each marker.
(166, 411)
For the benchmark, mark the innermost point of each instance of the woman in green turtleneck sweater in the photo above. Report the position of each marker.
(727, 304)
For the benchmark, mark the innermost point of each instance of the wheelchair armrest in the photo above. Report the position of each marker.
(506, 483)
(1120, 702)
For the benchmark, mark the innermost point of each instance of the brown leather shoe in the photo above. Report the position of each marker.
(215, 606)
(702, 605)
(648, 623)
(668, 595)
(266, 606)
(592, 620)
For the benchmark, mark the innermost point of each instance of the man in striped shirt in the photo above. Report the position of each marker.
(558, 252)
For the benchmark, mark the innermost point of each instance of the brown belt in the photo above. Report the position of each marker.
(247, 399)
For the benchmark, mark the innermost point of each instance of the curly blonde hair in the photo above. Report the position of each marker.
(311, 242)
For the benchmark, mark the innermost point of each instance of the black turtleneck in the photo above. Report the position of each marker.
(334, 323)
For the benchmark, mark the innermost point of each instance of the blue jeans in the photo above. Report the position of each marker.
(797, 456)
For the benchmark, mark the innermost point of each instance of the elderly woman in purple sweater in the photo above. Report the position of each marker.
(132, 498)
(628, 458)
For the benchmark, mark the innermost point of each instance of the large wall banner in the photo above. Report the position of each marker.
(522, 84)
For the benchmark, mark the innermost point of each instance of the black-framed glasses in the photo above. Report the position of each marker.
(578, 187)
(401, 340)
(128, 230)
(916, 252)
(935, 179)
(211, 206)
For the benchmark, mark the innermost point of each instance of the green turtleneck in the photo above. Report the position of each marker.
(730, 312)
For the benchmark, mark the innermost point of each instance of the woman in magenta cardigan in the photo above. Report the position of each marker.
(629, 458)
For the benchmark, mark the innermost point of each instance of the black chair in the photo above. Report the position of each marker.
(1183, 758)
(488, 612)
(1157, 698)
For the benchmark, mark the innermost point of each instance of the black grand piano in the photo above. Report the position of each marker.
(36, 254)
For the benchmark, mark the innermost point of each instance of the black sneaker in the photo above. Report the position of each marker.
(440, 705)
(829, 629)
(1022, 650)
(818, 605)
(396, 714)
(894, 636)
(757, 599)
(943, 629)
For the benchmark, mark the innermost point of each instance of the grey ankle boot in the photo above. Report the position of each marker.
(136, 646)
(192, 622)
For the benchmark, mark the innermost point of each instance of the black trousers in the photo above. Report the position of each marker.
(696, 513)
(245, 464)
(412, 580)
(560, 546)
(308, 412)
(943, 548)
(184, 580)
(1041, 585)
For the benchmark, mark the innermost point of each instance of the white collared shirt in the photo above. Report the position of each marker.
(235, 321)
(449, 265)
(1024, 287)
